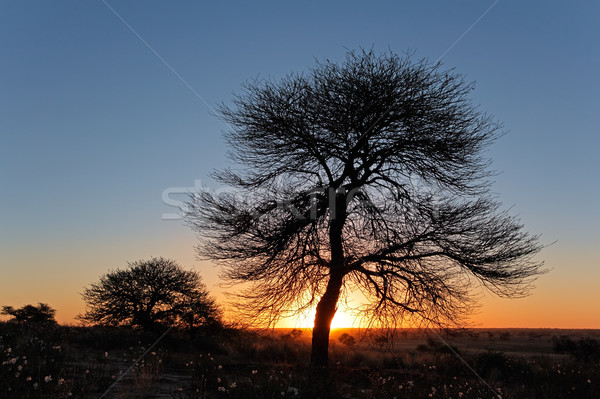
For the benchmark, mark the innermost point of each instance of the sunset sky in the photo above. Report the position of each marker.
(96, 129)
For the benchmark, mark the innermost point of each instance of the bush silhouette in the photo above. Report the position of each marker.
(150, 294)
(30, 314)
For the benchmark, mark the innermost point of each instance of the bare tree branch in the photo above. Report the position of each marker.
(368, 175)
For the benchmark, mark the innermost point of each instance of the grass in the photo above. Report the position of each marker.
(83, 362)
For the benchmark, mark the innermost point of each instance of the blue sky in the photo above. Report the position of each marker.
(94, 127)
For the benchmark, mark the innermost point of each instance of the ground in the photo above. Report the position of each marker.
(95, 362)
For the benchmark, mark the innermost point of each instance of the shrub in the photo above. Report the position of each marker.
(347, 340)
(30, 314)
(150, 294)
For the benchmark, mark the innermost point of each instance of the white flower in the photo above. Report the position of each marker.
(254, 371)
(48, 378)
(221, 389)
(220, 367)
(233, 385)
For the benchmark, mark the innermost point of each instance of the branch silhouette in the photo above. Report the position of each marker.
(366, 176)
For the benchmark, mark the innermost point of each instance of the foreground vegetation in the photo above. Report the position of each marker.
(51, 361)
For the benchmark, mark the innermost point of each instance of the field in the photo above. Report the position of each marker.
(94, 362)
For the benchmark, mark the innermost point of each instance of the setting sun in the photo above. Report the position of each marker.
(341, 320)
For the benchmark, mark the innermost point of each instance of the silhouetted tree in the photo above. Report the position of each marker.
(150, 293)
(347, 340)
(367, 175)
(30, 314)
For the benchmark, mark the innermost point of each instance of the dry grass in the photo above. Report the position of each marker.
(67, 362)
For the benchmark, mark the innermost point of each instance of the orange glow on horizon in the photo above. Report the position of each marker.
(495, 313)
(556, 302)
(341, 319)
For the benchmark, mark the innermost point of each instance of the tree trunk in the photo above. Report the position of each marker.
(326, 309)
(327, 306)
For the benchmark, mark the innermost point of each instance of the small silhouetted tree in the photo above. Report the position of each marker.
(30, 314)
(148, 294)
(366, 176)
(347, 340)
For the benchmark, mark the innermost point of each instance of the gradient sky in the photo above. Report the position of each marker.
(94, 127)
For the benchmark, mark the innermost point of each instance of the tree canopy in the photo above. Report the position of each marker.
(368, 175)
(148, 294)
(31, 314)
